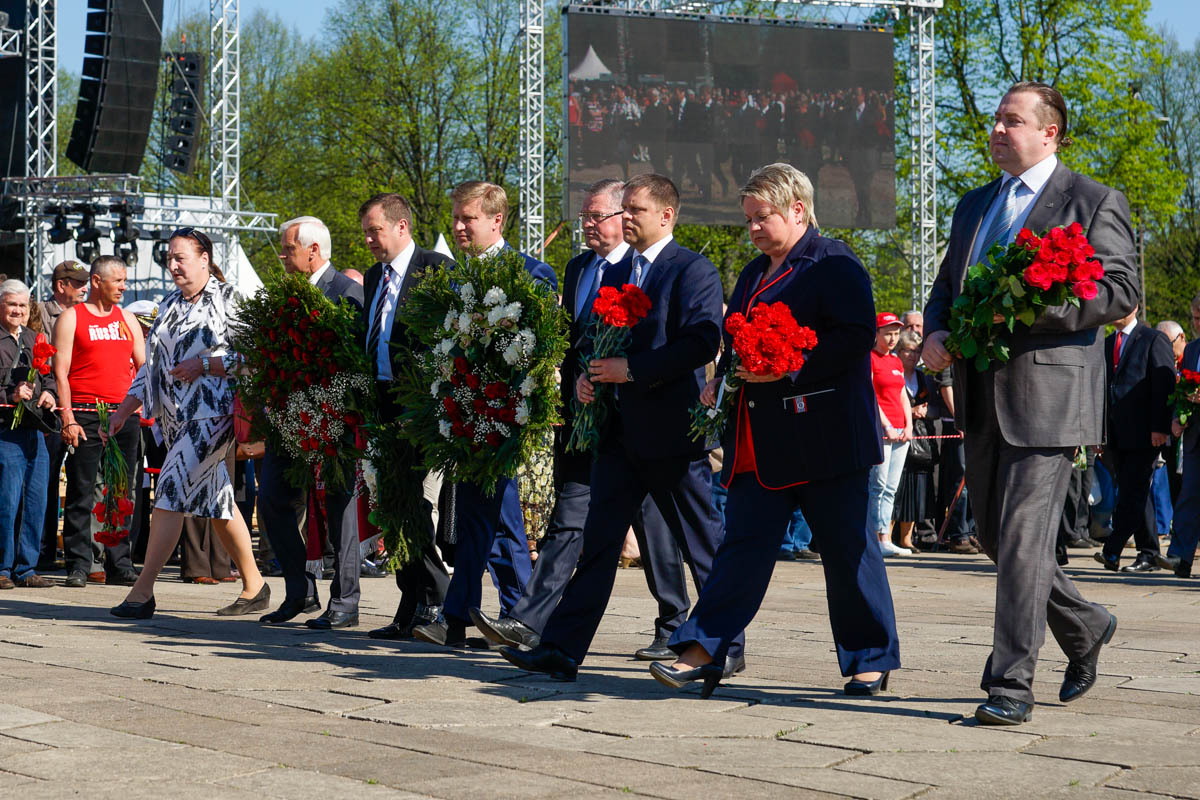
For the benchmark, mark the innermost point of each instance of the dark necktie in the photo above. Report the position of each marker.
(1117, 349)
(377, 318)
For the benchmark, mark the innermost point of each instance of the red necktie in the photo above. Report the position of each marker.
(1117, 349)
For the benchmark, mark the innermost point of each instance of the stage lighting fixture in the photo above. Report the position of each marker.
(3, 19)
(87, 230)
(161, 245)
(124, 231)
(87, 252)
(128, 252)
(59, 232)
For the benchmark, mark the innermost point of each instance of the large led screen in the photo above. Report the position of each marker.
(707, 100)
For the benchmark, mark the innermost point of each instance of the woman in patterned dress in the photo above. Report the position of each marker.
(184, 384)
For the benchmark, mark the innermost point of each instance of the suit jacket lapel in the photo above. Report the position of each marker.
(416, 266)
(1049, 204)
(975, 221)
(659, 268)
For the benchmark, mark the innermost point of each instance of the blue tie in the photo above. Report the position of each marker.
(1006, 214)
(641, 266)
(589, 284)
(376, 331)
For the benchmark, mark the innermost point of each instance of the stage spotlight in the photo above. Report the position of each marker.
(87, 230)
(128, 252)
(124, 231)
(160, 248)
(87, 252)
(59, 232)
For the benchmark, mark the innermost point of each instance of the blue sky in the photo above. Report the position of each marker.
(308, 15)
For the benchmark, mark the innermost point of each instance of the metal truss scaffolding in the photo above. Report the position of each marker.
(533, 126)
(922, 116)
(224, 116)
(41, 117)
(10, 42)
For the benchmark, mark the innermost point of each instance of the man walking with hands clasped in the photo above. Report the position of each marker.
(1025, 420)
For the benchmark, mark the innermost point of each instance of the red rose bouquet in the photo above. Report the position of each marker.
(42, 352)
(305, 380)
(1186, 387)
(768, 342)
(115, 508)
(614, 313)
(1016, 283)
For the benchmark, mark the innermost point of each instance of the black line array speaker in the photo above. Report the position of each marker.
(12, 99)
(186, 78)
(122, 54)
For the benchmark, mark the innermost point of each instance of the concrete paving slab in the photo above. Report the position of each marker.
(1161, 780)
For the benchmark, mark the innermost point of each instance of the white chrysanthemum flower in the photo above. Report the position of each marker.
(522, 413)
(464, 322)
(435, 388)
(513, 311)
(467, 294)
(495, 297)
(528, 341)
(444, 429)
(446, 346)
(527, 386)
(450, 320)
(495, 315)
(512, 353)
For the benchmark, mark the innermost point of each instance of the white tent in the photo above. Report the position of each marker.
(590, 69)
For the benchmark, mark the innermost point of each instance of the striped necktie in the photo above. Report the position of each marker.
(1006, 214)
(641, 267)
(377, 318)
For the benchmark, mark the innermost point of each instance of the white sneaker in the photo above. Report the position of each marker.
(888, 549)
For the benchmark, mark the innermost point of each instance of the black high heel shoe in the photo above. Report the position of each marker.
(711, 674)
(865, 688)
(128, 610)
(248, 605)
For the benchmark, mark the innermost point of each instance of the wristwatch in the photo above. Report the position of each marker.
(204, 364)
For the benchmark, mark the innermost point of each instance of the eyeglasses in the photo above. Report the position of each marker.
(595, 218)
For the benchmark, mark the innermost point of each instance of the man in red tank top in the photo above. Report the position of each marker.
(100, 348)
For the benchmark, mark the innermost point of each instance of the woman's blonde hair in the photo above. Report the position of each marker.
(780, 185)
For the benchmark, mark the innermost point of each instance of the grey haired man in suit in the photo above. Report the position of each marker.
(1025, 420)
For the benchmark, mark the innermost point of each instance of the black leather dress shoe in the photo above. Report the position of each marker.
(657, 651)
(248, 605)
(332, 620)
(544, 658)
(1081, 673)
(128, 610)
(441, 631)
(734, 665)
(392, 631)
(1111, 564)
(76, 580)
(1181, 568)
(1003, 710)
(121, 579)
(288, 609)
(1141, 564)
(505, 631)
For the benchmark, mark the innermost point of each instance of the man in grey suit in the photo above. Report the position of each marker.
(1025, 420)
(304, 247)
(1186, 525)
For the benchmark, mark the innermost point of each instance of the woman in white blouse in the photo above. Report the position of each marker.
(185, 385)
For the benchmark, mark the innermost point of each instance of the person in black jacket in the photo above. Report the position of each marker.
(23, 461)
(1141, 376)
(807, 439)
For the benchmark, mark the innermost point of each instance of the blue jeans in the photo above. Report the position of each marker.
(24, 476)
(1160, 495)
(799, 535)
(884, 480)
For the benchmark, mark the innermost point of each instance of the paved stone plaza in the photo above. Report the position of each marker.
(192, 705)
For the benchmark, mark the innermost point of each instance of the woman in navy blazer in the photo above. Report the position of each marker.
(807, 439)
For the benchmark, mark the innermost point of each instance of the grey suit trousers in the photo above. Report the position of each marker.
(1017, 494)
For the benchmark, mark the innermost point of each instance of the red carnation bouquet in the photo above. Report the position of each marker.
(615, 312)
(768, 342)
(1187, 385)
(115, 508)
(1016, 283)
(42, 353)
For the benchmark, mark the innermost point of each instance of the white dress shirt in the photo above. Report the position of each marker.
(1033, 180)
(317, 275)
(383, 361)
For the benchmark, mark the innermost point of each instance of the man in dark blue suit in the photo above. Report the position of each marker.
(1185, 531)
(1141, 376)
(489, 529)
(304, 248)
(560, 548)
(647, 450)
(400, 264)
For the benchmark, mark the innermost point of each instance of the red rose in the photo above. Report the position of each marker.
(314, 315)
(271, 335)
(1084, 290)
(479, 405)
(293, 302)
(1037, 277)
(472, 380)
(1075, 229)
(495, 390)
(493, 439)
(461, 365)
(330, 451)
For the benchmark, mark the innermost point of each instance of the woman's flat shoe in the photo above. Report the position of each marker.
(864, 688)
(243, 605)
(711, 674)
(128, 610)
